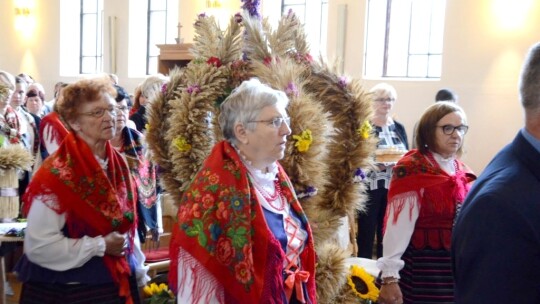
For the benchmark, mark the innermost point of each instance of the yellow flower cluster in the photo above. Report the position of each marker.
(4, 91)
(158, 291)
(181, 144)
(303, 141)
(365, 130)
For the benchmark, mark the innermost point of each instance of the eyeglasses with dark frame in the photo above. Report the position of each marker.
(99, 112)
(276, 121)
(450, 129)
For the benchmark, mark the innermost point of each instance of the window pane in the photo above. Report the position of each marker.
(435, 65)
(375, 41)
(420, 26)
(437, 26)
(88, 65)
(152, 65)
(89, 35)
(158, 5)
(418, 66)
(89, 6)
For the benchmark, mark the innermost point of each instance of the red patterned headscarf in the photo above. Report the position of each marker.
(96, 202)
(222, 225)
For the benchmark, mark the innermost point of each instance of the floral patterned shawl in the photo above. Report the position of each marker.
(10, 125)
(144, 175)
(222, 225)
(96, 202)
(414, 172)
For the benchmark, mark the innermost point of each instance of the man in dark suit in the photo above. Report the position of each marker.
(496, 239)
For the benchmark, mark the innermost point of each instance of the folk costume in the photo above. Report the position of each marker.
(78, 198)
(144, 175)
(425, 194)
(231, 247)
(10, 127)
(52, 132)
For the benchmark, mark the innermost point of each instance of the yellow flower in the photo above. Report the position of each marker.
(181, 144)
(365, 130)
(147, 127)
(362, 284)
(303, 141)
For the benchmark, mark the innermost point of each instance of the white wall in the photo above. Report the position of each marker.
(481, 60)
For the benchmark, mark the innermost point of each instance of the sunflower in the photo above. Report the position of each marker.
(362, 284)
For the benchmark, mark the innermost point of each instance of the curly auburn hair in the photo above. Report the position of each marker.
(83, 91)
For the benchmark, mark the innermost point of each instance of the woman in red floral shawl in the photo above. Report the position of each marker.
(427, 189)
(80, 243)
(242, 236)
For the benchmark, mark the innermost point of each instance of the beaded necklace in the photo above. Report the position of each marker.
(271, 198)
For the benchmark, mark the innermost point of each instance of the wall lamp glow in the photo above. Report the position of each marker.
(213, 4)
(25, 21)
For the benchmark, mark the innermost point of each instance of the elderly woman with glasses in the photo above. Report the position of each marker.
(392, 141)
(242, 236)
(427, 189)
(81, 243)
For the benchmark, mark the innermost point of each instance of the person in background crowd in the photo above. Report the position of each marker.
(10, 122)
(131, 144)
(257, 241)
(391, 135)
(496, 243)
(446, 95)
(80, 244)
(427, 189)
(150, 88)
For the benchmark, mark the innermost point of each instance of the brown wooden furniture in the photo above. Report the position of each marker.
(171, 55)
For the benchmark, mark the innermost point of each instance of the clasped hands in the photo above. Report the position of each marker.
(116, 244)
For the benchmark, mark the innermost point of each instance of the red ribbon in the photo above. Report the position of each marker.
(295, 279)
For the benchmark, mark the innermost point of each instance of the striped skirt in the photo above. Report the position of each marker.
(427, 276)
(47, 293)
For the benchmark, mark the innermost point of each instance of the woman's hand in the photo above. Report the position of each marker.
(390, 294)
(115, 244)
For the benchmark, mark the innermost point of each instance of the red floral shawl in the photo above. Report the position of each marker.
(57, 130)
(11, 121)
(95, 202)
(414, 172)
(222, 225)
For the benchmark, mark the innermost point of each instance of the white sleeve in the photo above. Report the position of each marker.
(46, 245)
(50, 145)
(397, 237)
(140, 269)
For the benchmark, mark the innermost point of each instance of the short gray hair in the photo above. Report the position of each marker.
(383, 88)
(244, 105)
(529, 85)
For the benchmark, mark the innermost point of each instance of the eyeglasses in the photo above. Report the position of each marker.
(449, 129)
(381, 100)
(276, 121)
(122, 108)
(99, 112)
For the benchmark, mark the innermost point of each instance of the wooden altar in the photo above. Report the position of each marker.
(171, 55)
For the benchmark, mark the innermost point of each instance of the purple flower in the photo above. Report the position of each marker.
(291, 89)
(343, 81)
(359, 175)
(238, 18)
(164, 89)
(309, 192)
(193, 89)
(252, 6)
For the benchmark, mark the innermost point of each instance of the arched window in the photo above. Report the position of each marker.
(404, 38)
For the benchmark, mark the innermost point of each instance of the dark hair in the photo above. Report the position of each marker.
(121, 94)
(34, 93)
(427, 126)
(529, 85)
(445, 95)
